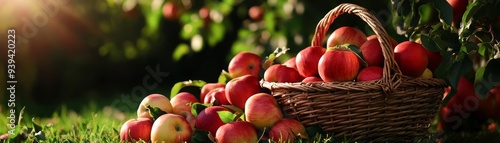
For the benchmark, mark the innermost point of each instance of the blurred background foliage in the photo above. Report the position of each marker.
(71, 52)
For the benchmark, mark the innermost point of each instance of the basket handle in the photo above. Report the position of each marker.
(392, 76)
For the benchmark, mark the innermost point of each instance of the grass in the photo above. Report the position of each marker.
(96, 124)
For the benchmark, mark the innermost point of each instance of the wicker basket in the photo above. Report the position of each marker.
(395, 108)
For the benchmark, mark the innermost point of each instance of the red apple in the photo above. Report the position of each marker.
(136, 129)
(154, 100)
(236, 132)
(262, 111)
(190, 118)
(346, 35)
(490, 107)
(238, 90)
(219, 95)
(291, 63)
(170, 10)
(245, 63)
(312, 79)
(282, 73)
(256, 13)
(307, 60)
(209, 119)
(338, 64)
(180, 102)
(286, 130)
(394, 43)
(370, 73)
(411, 58)
(372, 52)
(459, 7)
(434, 59)
(208, 87)
(171, 128)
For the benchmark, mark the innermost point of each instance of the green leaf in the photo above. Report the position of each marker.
(275, 54)
(426, 13)
(445, 11)
(180, 51)
(269, 19)
(36, 127)
(315, 131)
(471, 10)
(358, 53)
(428, 43)
(443, 68)
(483, 48)
(224, 77)
(487, 77)
(155, 112)
(200, 136)
(217, 31)
(196, 108)
(458, 69)
(226, 116)
(179, 85)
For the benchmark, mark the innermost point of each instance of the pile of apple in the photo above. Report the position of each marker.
(234, 111)
(340, 62)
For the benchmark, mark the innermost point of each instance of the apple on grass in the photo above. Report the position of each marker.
(262, 111)
(239, 89)
(171, 128)
(282, 73)
(209, 87)
(154, 100)
(136, 129)
(307, 60)
(245, 63)
(217, 97)
(180, 102)
(209, 120)
(236, 132)
(338, 64)
(411, 58)
(287, 130)
(346, 35)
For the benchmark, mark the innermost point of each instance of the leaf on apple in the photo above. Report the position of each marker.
(270, 59)
(179, 85)
(226, 116)
(358, 53)
(224, 77)
(155, 112)
(196, 108)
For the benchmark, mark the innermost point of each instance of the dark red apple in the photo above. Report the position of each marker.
(346, 35)
(208, 87)
(291, 63)
(217, 97)
(245, 63)
(282, 73)
(209, 120)
(239, 89)
(307, 60)
(411, 58)
(434, 59)
(312, 79)
(338, 64)
(370, 73)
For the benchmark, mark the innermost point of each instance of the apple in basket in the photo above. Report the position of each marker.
(282, 73)
(346, 35)
(338, 64)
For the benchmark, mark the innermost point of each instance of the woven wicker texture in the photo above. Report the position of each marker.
(395, 108)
